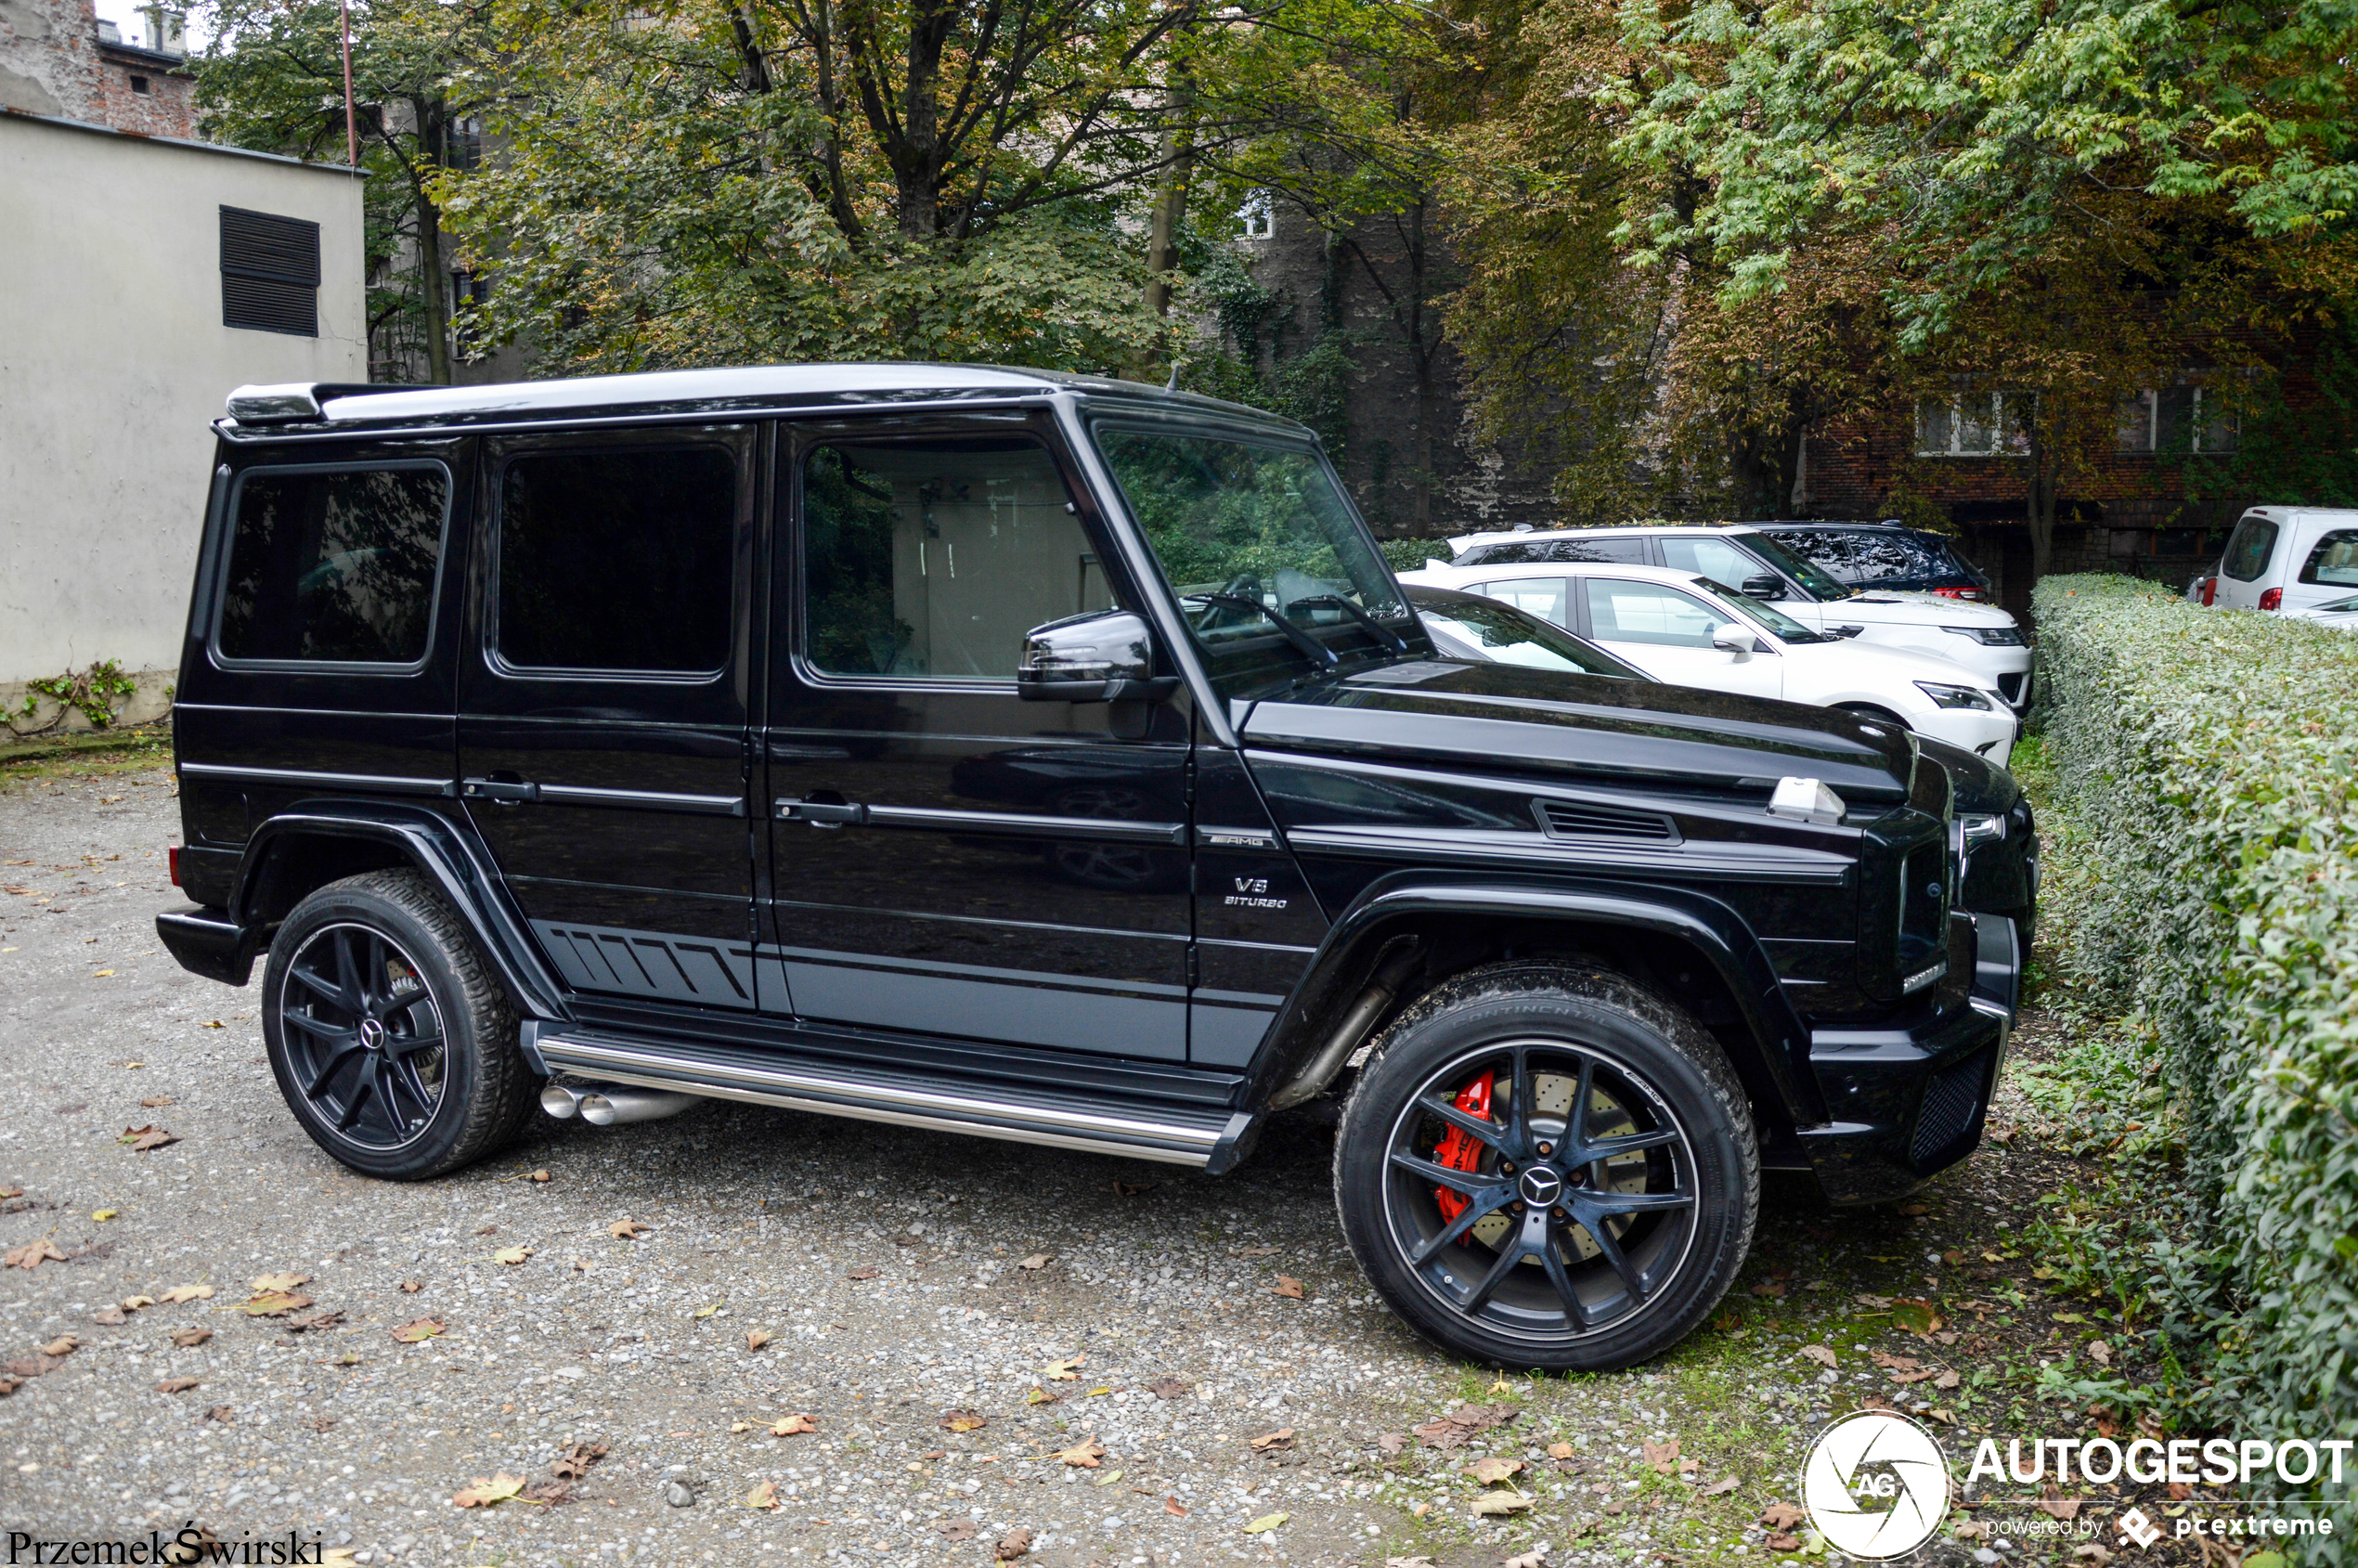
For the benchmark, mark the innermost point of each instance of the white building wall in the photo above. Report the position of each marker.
(113, 364)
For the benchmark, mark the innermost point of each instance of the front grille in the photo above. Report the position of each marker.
(2009, 686)
(1948, 1109)
(1571, 819)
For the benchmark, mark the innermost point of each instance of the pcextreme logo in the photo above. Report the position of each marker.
(1875, 1484)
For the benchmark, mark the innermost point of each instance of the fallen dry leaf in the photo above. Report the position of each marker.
(537, 1176)
(1559, 1450)
(757, 1338)
(318, 1323)
(133, 1303)
(9, 1386)
(964, 1420)
(221, 1413)
(1287, 1287)
(1501, 1503)
(1167, 1388)
(1064, 1371)
(1012, 1545)
(33, 1255)
(866, 1271)
(272, 1304)
(142, 1139)
(1265, 1523)
(110, 1315)
(1662, 1456)
(483, 1494)
(575, 1462)
(1724, 1483)
(512, 1255)
(1041, 1396)
(957, 1529)
(412, 1287)
(1281, 1438)
(1896, 1363)
(704, 1311)
(187, 1339)
(1129, 1189)
(786, 1426)
(2100, 1352)
(155, 1102)
(1768, 1288)
(625, 1230)
(2095, 1552)
(2056, 1506)
(1490, 1469)
(1781, 1516)
(175, 1385)
(1782, 1542)
(1531, 1559)
(1822, 1354)
(1946, 1417)
(268, 1283)
(419, 1330)
(1085, 1454)
(62, 1346)
(1171, 1506)
(1946, 1381)
(1912, 1377)
(763, 1495)
(1037, 1261)
(102, 1215)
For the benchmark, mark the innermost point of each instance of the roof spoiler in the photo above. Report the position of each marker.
(294, 402)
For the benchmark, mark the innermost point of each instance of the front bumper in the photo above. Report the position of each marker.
(1908, 1103)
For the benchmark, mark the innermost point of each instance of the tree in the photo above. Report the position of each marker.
(273, 79)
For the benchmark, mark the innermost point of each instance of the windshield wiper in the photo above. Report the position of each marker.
(1375, 628)
(1320, 655)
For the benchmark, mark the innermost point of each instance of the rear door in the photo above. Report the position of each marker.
(947, 859)
(2244, 567)
(601, 719)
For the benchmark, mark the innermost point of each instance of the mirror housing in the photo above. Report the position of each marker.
(1763, 585)
(1733, 638)
(1100, 656)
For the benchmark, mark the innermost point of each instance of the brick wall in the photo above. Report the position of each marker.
(53, 61)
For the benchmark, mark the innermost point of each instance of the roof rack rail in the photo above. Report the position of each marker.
(293, 402)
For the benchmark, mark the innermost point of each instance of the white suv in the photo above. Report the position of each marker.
(2285, 558)
(1982, 638)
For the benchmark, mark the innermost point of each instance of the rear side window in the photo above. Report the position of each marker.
(1620, 551)
(2247, 550)
(1715, 559)
(618, 560)
(1648, 613)
(1862, 556)
(1543, 597)
(334, 565)
(2334, 563)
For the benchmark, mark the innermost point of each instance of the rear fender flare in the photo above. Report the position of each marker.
(435, 847)
(1713, 931)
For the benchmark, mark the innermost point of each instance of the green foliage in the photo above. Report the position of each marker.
(2209, 758)
(97, 693)
(1410, 555)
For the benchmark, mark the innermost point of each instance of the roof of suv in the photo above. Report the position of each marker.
(256, 410)
(1492, 536)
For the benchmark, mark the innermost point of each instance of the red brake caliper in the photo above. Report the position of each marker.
(1461, 1151)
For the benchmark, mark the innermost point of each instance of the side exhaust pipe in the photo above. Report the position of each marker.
(611, 1107)
(1391, 972)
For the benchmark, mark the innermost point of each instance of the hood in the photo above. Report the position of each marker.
(1979, 786)
(1914, 609)
(1500, 718)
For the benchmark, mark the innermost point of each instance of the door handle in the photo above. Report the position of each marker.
(822, 813)
(501, 792)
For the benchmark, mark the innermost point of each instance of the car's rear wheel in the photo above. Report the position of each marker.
(390, 1040)
(1547, 1166)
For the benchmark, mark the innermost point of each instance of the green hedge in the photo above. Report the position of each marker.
(2211, 756)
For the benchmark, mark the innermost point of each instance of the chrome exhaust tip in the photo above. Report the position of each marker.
(613, 1106)
(564, 1100)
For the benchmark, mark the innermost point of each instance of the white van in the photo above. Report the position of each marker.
(2283, 558)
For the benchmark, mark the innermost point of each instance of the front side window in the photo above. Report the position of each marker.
(2247, 550)
(335, 565)
(617, 559)
(1262, 550)
(1749, 608)
(1651, 614)
(1797, 555)
(2334, 563)
(1864, 555)
(930, 558)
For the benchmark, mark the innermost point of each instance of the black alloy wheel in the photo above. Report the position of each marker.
(363, 1036)
(1547, 1165)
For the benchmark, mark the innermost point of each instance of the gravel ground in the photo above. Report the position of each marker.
(902, 1276)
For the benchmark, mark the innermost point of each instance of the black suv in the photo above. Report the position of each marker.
(1882, 555)
(1052, 759)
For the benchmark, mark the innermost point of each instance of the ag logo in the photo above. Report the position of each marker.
(1875, 1484)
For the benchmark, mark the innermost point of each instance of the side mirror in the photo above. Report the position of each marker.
(1763, 586)
(1103, 657)
(1734, 638)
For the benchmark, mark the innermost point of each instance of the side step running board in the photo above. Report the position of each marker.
(1210, 1139)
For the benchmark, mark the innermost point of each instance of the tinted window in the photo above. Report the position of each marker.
(1715, 559)
(1634, 612)
(1623, 551)
(1872, 556)
(933, 557)
(1543, 597)
(618, 560)
(2248, 550)
(334, 564)
(2335, 560)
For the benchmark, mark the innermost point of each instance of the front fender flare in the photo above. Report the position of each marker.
(1706, 925)
(435, 847)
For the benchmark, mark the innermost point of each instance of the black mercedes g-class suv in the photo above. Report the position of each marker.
(1050, 758)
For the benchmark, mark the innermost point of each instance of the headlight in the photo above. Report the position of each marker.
(1979, 829)
(1951, 696)
(1989, 636)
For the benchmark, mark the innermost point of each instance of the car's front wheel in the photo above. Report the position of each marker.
(1547, 1166)
(390, 1040)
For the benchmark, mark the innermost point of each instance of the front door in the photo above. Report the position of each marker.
(601, 716)
(1666, 632)
(948, 859)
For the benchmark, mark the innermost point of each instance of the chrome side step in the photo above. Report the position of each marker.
(1209, 1139)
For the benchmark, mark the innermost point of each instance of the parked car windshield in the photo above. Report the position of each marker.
(1814, 579)
(1787, 628)
(1503, 634)
(1263, 550)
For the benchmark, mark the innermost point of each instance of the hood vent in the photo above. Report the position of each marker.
(1574, 819)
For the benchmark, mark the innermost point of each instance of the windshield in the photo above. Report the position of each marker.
(1815, 579)
(1787, 628)
(1263, 550)
(1503, 634)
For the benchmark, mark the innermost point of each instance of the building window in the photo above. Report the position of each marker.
(139, 82)
(1258, 216)
(1975, 424)
(269, 273)
(2174, 420)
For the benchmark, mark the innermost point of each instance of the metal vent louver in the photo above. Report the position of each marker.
(1575, 819)
(269, 273)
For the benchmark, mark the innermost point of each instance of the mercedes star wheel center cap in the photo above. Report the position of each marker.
(1541, 1186)
(372, 1034)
